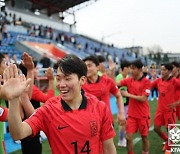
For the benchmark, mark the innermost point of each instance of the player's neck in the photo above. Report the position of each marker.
(167, 77)
(76, 102)
(138, 76)
(93, 78)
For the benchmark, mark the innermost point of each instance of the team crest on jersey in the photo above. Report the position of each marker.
(93, 128)
(1, 111)
(148, 91)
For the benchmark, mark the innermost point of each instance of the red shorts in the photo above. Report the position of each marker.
(178, 112)
(135, 124)
(164, 118)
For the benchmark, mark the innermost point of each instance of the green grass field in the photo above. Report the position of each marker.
(155, 141)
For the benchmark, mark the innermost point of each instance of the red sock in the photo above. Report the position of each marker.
(168, 147)
(131, 152)
(164, 136)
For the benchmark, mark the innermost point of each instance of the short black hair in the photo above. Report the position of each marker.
(176, 64)
(124, 64)
(137, 63)
(101, 58)
(92, 58)
(72, 64)
(1, 57)
(168, 66)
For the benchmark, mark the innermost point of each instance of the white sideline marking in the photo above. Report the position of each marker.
(151, 128)
(137, 139)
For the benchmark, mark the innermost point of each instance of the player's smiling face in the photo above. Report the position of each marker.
(91, 68)
(69, 85)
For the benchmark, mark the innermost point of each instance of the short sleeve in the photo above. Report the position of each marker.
(39, 120)
(3, 113)
(125, 82)
(146, 88)
(177, 84)
(107, 130)
(39, 96)
(114, 88)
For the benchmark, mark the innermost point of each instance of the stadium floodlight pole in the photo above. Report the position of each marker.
(110, 35)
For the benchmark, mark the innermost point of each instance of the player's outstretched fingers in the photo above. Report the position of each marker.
(11, 71)
(22, 77)
(15, 71)
(6, 74)
(27, 83)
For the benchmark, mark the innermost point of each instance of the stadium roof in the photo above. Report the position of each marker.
(55, 6)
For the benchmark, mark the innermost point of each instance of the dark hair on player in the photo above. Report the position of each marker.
(1, 57)
(72, 64)
(176, 64)
(124, 64)
(137, 63)
(94, 59)
(101, 58)
(168, 66)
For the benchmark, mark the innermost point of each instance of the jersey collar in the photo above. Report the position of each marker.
(141, 77)
(168, 78)
(178, 76)
(82, 106)
(96, 80)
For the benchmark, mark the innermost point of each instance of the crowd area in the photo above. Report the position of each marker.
(75, 41)
(80, 118)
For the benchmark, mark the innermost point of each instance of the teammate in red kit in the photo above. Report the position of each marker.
(3, 114)
(102, 87)
(138, 110)
(176, 74)
(167, 86)
(73, 122)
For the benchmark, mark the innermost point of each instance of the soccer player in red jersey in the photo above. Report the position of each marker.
(167, 86)
(73, 122)
(138, 110)
(3, 113)
(102, 87)
(3, 117)
(31, 145)
(176, 74)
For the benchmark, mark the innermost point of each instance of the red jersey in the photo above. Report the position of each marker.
(167, 90)
(3, 113)
(73, 131)
(139, 87)
(177, 95)
(102, 89)
(39, 96)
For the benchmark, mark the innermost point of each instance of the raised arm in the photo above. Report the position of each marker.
(50, 77)
(38, 95)
(29, 65)
(12, 88)
(25, 103)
